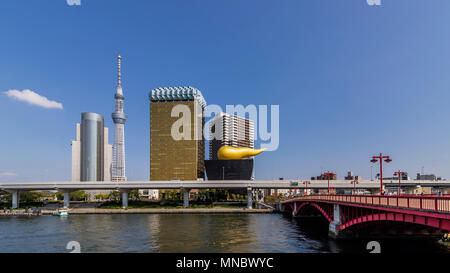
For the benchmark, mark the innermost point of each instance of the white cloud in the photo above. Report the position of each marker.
(7, 174)
(33, 98)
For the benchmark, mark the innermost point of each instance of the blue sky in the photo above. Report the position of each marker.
(351, 80)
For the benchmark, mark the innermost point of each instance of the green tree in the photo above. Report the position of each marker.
(202, 195)
(134, 195)
(115, 195)
(221, 195)
(101, 196)
(78, 195)
(30, 196)
(73, 196)
(5, 197)
(59, 196)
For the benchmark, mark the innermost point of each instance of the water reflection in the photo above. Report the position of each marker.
(174, 233)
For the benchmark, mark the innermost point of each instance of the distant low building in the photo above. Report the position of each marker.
(323, 176)
(149, 194)
(350, 176)
(276, 192)
(403, 177)
(431, 177)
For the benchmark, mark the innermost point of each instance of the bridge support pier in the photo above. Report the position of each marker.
(186, 198)
(295, 209)
(249, 198)
(124, 199)
(333, 229)
(15, 199)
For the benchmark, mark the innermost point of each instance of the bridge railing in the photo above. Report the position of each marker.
(436, 203)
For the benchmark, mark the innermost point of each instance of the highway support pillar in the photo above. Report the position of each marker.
(333, 229)
(124, 199)
(15, 199)
(66, 202)
(185, 198)
(249, 198)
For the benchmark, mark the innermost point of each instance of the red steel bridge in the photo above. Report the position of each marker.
(355, 213)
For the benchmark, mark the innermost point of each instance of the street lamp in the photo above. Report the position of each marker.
(354, 182)
(328, 174)
(380, 157)
(399, 173)
(306, 184)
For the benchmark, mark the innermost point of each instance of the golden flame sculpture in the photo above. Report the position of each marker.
(228, 153)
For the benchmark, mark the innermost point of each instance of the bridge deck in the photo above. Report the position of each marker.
(428, 203)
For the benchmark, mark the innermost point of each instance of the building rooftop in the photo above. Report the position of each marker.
(180, 93)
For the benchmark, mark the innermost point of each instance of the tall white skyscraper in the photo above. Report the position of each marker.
(119, 118)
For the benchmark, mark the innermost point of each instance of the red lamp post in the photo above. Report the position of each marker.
(380, 157)
(328, 174)
(306, 184)
(399, 173)
(354, 182)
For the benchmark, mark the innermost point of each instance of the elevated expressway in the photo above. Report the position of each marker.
(66, 186)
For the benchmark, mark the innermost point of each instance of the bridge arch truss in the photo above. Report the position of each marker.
(430, 213)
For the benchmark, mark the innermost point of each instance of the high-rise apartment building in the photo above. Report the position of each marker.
(230, 130)
(234, 131)
(176, 111)
(91, 153)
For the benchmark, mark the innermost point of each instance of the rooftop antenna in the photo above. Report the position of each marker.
(119, 79)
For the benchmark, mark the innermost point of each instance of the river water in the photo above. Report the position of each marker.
(164, 233)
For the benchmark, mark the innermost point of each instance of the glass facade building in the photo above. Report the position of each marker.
(92, 147)
(172, 159)
(91, 153)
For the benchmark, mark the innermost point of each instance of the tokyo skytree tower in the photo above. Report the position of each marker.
(119, 118)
